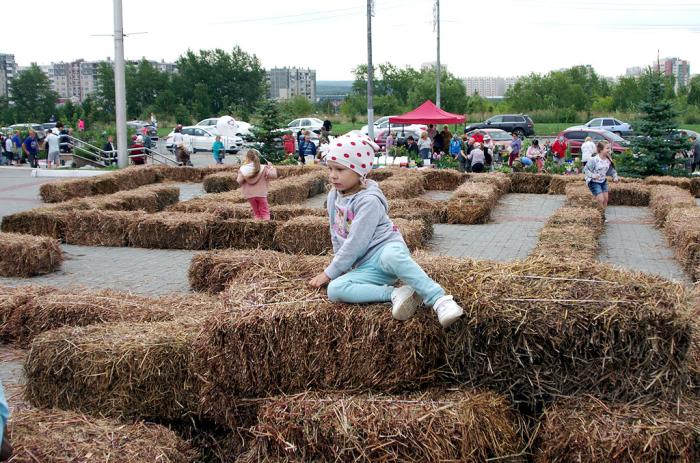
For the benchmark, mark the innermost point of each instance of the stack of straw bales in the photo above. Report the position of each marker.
(665, 198)
(27, 255)
(682, 228)
(523, 182)
(226, 181)
(442, 179)
(472, 203)
(620, 194)
(402, 186)
(683, 183)
(458, 426)
(57, 436)
(589, 430)
(558, 184)
(571, 233)
(171, 230)
(501, 181)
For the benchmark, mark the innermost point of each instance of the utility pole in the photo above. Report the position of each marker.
(120, 85)
(370, 72)
(437, 64)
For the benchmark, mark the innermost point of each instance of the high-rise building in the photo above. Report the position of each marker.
(489, 87)
(285, 83)
(676, 67)
(8, 70)
(635, 71)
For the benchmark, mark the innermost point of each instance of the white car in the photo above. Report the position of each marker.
(200, 139)
(381, 123)
(244, 128)
(305, 123)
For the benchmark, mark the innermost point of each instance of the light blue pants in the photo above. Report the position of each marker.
(374, 280)
(4, 412)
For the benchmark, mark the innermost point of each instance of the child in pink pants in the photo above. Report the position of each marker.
(255, 181)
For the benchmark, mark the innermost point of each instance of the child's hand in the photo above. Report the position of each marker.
(319, 280)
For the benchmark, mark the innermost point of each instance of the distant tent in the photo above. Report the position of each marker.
(428, 113)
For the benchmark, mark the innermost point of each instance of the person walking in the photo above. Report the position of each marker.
(17, 147)
(9, 148)
(695, 150)
(536, 155)
(559, 150)
(51, 142)
(515, 146)
(588, 150)
(370, 255)
(425, 146)
(597, 169)
(31, 149)
(254, 180)
(216, 148)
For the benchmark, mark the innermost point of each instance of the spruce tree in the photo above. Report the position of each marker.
(656, 145)
(265, 133)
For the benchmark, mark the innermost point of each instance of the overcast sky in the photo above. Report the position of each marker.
(498, 37)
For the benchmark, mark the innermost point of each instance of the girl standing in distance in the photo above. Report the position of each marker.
(370, 253)
(255, 181)
(597, 169)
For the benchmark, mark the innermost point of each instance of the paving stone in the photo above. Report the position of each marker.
(631, 241)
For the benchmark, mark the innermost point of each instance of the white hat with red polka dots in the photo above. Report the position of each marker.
(353, 152)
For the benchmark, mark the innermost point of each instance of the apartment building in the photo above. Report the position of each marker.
(488, 87)
(8, 70)
(285, 83)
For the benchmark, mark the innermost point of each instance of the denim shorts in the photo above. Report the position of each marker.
(598, 188)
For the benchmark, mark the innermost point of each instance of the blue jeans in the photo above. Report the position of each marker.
(4, 412)
(374, 280)
(598, 188)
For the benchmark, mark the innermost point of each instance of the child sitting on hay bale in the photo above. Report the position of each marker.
(370, 253)
(255, 181)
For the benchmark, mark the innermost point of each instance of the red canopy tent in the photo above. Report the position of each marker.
(427, 113)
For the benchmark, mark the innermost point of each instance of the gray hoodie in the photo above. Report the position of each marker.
(360, 227)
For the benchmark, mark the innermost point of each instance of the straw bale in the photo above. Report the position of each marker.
(43, 309)
(587, 430)
(41, 221)
(442, 179)
(135, 176)
(424, 208)
(122, 370)
(664, 198)
(220, 182)
(559, 183)
(182, 173)
(402, 187)
(591, 218)
(26, 255)
(286, 212)
(150, 198)
(501, 181)
(578, 195)
(212, 271)
(542, 328)
(60, 436)
(472, 203)
(379, 175)
(304, 235)
(298, 188)
(312, 344)
(682, 229)
(460, 426)
(224, 205)
(523, 182)
(291, 171)
(100, 228)
(695, 186)
(55, 192)
(628, 194)
(680, 182)
(242, 234)
(573, 241)
(171, 230)
(414, 232)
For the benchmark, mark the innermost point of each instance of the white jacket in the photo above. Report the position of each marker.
(587, 151)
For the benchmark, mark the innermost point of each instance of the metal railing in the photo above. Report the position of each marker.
(95, 155)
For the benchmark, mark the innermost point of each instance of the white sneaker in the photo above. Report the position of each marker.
(404, 301)
(447, 311)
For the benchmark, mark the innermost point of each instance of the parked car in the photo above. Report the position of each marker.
(499, 137)
(305, 123)
(576, 136)
(512, 123)
(610, 124)
(402, 134)
(381, 123)
(243, 131)
(50, 126)
(137, 126)
(200, 139)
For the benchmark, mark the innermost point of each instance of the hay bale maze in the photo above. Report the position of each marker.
(58, 436)
(558, 357)
(26, 255)
(664, 198)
